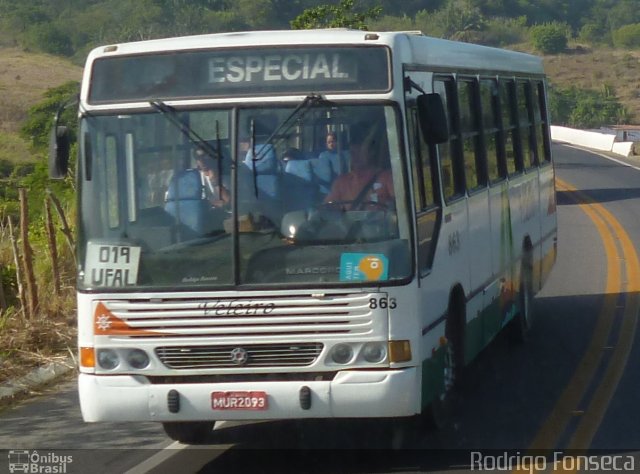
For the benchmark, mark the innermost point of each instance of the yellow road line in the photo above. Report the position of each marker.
(588, 426)
(562, 413)
(609, 228)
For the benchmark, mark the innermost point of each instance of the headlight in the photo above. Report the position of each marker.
(374, 352)
(108, 359)
(138, 359)
(341, 354)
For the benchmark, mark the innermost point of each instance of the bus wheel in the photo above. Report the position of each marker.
(439, 412)
(521, 324)
(189, 432)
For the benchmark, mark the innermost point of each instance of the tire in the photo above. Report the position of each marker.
(438, 414)
(521, 324)
(189, 432)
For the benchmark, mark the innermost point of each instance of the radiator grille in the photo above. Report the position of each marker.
(233, 356)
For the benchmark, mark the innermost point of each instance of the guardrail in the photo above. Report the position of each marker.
(605, 141)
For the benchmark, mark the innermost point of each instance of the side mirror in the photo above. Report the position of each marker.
(433, 119)
(59, 145)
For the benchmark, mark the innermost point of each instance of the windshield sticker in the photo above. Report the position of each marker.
(111, 265)
(363, 267)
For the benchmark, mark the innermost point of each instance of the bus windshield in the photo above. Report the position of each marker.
(303, 194)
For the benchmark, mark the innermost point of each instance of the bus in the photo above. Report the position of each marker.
(284, 302)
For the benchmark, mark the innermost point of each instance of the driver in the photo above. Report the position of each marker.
(367, 185)
(216, 192)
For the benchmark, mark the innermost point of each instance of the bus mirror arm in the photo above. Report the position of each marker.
(433, 119)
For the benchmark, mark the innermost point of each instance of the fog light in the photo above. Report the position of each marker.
(341, 353)
(374, 352)
(138, 359)
(108, 359)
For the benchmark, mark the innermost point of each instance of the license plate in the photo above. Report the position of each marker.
(239, 400)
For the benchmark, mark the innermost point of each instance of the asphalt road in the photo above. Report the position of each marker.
(571, 388)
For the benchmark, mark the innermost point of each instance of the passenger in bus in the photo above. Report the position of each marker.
(215, 191)
(296, 164)
(367, 185)
(156, 177)
(330, 163)
(259, 177)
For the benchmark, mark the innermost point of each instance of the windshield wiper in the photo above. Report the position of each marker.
(187, 131)
(309, 102)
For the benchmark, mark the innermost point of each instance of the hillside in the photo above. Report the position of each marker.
(24, 77)
(598, 68)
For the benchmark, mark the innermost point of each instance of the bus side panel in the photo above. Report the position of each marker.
(480, 271)
(548, 223)
(450, 268)
(523, 202)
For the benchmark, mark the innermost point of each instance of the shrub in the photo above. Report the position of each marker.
(393, 23)
(585, 108)
(49, 39)
(627, 37)
(592, 33)
(502, 32)
(550, 38)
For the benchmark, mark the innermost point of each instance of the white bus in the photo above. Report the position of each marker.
(283, 302)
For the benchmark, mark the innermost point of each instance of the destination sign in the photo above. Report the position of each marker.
(292, 67)
(239, 72)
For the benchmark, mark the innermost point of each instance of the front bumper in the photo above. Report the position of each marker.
(356, 394)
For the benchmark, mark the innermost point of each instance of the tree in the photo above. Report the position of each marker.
(256, 14)
(335, 16)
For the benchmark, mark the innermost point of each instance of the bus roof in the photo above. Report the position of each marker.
(417, 49)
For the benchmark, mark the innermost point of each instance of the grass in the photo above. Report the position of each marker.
(50, 334)
(25, 344)
(24, 77)
(13, 148)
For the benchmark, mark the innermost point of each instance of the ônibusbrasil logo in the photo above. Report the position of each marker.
(22, 460)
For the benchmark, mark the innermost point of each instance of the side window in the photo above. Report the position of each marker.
(510, 125)
(542, 127)
(470, 131)
(449, 153)
(525, 116)
(491, 129)
(424, 192)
